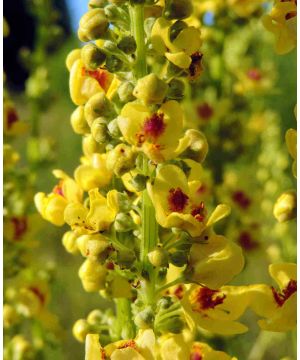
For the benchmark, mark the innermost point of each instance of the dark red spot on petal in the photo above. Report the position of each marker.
(199, 212)
(154, 126)
(179, 291)
(288, 291)
(204, 298)
(177, 200)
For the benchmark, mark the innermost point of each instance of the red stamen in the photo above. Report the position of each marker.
(287, 292)
(154, 126)
(205, 298)
(199, 212)
(177, 200)
(58, 189)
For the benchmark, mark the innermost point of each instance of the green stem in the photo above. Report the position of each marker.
(124, 316)
(179, 280)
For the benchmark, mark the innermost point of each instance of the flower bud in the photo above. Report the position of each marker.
(113, 129)
(127, 44)
(95, 247)
(123, 223)
(179, 258)
(176, 28)
(125, 91)
(198, 145)
(69, 241)
(99, 130)
(121, 159)
(158, 257)
(113, 64)
(10, 316)
(21, 348)
(164, 303)
(95, 317)
(93, 25)
(177, 9)
(175, 90)
(124, 204)
(97, 106)
(96, 4)
(285, 207)
(139, 182)
(92, 56)
(92, 275)
(90, 146)
(72, 57)
(126, 258)
(172, 324)
(80, 330)
(150, 89)
(78, 121)
(144, 319)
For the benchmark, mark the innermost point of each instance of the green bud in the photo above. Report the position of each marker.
(93, 25)
(126, 258)
(162, 273)
(69, 241)
(124, 204)
(96, 4)
(139, 182)
(176, 89)
(285, 207)
(172, 324)
(98, 106)
(78, 121)
(99, 130)
(123, 223)
(150, 89)
(113, 64)
(173, 70)
(164, 303)
(176, 28)
(90, 146)
(80, 330)
(114, 129)
(179, 258)
(158, 257)
(95, 317)
(144, 319)
(121, 159)
(127, 44)
(177, 9)
(125, 91)
(92, 56)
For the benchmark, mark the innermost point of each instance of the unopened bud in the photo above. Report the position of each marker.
(97, 106)
(126, 258)
(139, 182)
(164, 303)
(177, 9)
(124, 204)
(93, 25)
(176, 28)
(121, 159)
(144, 319)
(198, 145)
(92, 275)
(176, 89)
(95, 247)
(127, 44)
(150, 89)
(72, 57)
(179, 258)
(92, 56)
(90, 146)
(114, 129)
(99, 130)
(80, 330)
(125, 91)
(123, 223)
(285, 207)
(172, 324)
(78, 121)
(158, 257)
(69, 241)
(113, 64)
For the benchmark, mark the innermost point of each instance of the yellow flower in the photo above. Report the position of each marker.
(52, 206)
(214, 262)
(183, 51)
(86, 83)
(245, 8)
(178, 203)
(157, 134)
(93, 173)
(98, 217)
(291, 142)
(282, 22)
(252, 81)
(217, 310)
(277, 307)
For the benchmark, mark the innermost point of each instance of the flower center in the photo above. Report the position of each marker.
(199, 212)
(291, 14)
(177, 200)
(127, 343)
(205, 111)
(240, 198)
(12, 117)
(195, 68)
(246, 241)
(20, 227)
(254, 74)
(196, 353)
(154, 126)
(287, 292)
(204, 298)
(58, 189)
(100, 75)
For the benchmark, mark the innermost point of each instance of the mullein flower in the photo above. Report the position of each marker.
(98, 217)
(52, 206)
(157, 133)
(277, 307)
(93, 173)
(183, 51)
(252, 81)
(11, 121)
(282, 22)
(178, 202)
(214, 262)
(216, 310)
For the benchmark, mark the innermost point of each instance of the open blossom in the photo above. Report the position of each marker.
(277, 306)
(52, 206)
(178, 203)
(183, 51)
(98, 217)
(282, 22)
(157, 133)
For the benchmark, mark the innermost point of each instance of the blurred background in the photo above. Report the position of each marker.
(68, 300)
